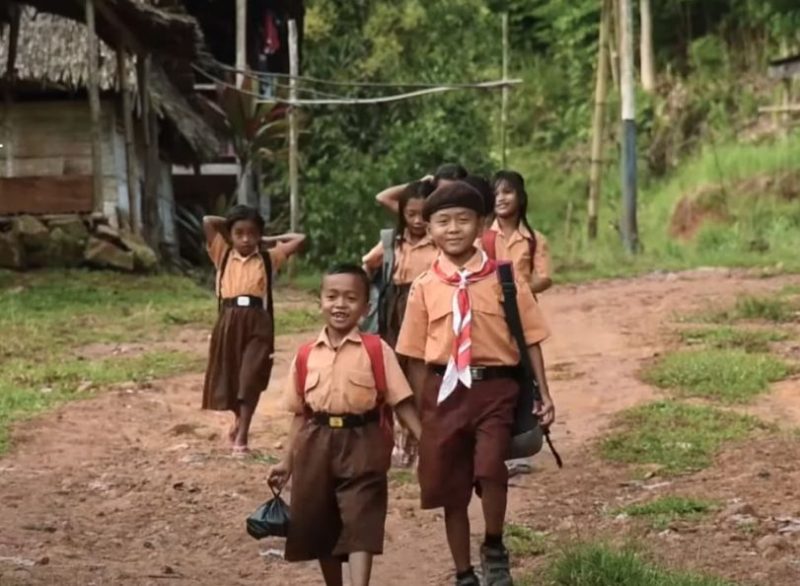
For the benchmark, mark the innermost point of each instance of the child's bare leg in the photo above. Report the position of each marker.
(494, 498)
(360, 568)
(456, 521)
(331, 571)
(246, 411)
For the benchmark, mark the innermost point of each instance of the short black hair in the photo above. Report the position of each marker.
(240, 213)
(483, 187)
(450, 171)
(351, 269)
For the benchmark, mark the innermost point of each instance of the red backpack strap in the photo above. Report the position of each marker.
(374, 347)
(489, 243)
(301, 367)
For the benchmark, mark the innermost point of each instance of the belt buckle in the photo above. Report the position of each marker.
(477, 372)
(243, 301)
(336, 422)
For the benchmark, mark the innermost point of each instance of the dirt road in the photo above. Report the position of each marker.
(135, 486)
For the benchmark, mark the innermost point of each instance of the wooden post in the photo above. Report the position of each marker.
(11, 64)
(613, 41)
(598, 120)
(504, 96)
(94, 107)
(630, 235)
(149, 121)
(646, 56)
(294, 205)
(130, 146)
(241, 40)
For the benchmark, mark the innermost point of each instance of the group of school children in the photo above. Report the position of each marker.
(445, 364)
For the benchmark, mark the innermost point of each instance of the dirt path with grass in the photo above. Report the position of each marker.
(135, 486)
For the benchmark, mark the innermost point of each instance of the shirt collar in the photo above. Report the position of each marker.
(424, 241)
(522, 230)
(235, 254)
(353, 336)
(472, 265)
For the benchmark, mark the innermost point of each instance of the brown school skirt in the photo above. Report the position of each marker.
(339, 492)
(395, 310)
(464, 440)
(240, 358)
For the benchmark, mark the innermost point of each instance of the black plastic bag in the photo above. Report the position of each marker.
(270, 519)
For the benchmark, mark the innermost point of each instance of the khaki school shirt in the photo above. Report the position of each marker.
(243, 275)
(410, 260)
(427, 330)
(517, 250)
(339, 380)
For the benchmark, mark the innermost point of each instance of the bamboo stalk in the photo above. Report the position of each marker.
(598, 120)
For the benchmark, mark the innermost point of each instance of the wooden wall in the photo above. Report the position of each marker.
(46, 159)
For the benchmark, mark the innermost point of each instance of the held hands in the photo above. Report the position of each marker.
(279, 474)
(545, 410)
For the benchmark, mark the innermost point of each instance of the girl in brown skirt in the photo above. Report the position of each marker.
(414, 253)
(243, 340)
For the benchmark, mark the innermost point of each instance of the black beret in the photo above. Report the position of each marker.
(453, 195)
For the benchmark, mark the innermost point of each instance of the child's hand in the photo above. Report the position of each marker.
(545, 410)
(279, 474)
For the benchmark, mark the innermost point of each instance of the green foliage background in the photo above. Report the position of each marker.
(711, 57)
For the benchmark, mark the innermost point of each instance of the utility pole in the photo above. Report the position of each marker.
(598, 120)
(294, 207)
(630, 233)
(646, 54)
(504, 98)
(241, 41)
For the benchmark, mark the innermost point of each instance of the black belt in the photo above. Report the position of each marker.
(346, 420)
(246, 301)
(485, 372)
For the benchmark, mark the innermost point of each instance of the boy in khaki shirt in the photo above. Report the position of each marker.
(340, 441)
(464, 366)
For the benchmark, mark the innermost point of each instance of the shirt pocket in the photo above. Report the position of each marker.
(360, 395)
(440, 329)
(311, 384)
(489, 303)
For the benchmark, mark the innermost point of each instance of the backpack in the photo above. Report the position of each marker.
(373, 345)
(267, 269)
(375, 321)
(526, 431)
(489, 245)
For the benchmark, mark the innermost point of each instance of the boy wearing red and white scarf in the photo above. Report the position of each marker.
(464, 370)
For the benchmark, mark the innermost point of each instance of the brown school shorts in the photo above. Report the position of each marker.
(464, 440)
(339, 492)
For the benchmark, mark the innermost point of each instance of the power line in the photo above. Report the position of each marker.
(349, 101)
(376, 84)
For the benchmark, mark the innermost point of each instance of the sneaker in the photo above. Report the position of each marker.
(471, 580)
(495, 565)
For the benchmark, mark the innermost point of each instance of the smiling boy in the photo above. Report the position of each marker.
(340, 389)
(464, 364)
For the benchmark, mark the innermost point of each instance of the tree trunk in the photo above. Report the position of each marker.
(94, 107)
(241, 41)
(646, 53)
(600, 94)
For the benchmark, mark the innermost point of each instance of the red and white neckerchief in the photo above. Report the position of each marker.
(459, 362)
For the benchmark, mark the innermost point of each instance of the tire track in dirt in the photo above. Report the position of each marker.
(135, 487)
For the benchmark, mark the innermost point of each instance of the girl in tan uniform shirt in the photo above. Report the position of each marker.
(243, 340)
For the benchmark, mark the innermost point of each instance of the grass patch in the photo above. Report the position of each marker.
(292, 321)
(730, 376)
(523, 541)
(27, 387)
(402, 476)
(774, 309)
(601, 565)
(677, 437)
(734, 338)
(663, 511)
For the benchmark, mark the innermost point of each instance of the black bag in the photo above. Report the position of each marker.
(270, 519)
(526, 431)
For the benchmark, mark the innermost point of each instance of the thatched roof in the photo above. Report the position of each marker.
(52, 53)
